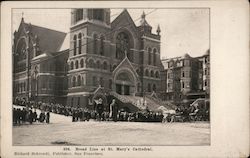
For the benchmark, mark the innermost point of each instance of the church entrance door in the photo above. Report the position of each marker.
(126, 90)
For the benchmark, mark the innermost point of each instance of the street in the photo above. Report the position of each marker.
(61, 131)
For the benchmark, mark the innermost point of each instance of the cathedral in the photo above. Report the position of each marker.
(98, 58)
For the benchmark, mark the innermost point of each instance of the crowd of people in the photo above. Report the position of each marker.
(99, 113)
(29, 115)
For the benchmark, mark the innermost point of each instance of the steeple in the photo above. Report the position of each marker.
(145, 27)
(22, 17)
(158, 30)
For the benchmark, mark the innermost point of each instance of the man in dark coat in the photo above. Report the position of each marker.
(99, 108)
(47, 117)
(114, 110)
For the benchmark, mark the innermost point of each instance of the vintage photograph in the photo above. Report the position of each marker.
(111, 77)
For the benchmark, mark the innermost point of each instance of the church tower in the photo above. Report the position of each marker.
(89, 51)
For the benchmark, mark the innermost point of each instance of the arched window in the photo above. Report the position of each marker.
(79, 43)
(110, 84)
(71, 65)
(146, 72)
(151, 73)
(154, 56)
(73, 81)
(138, 87)
(149, 56)
(91, 63)
(157, 74)
(154, 87)
(122, 45)
(149, 87)
(105, 65)
(76, 64)
(102, 45)
(79, 80)
(98, 64)
(81, 63)
(74, 40)
(95, 43)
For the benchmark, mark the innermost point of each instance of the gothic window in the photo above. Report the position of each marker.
(154, 57)
(74, 40)
(98, 14)
(149, 56)
(81, 63)
(183, 74)
(105, 65)
(24, 86)
(91, 63)
(157, 74)
(71, 65)
(110, 84)
(79, 80)
(73, 81)
(76, 64)
(79, 43)
(79, 14)
(183, 85)
(154, 87)
(149, 87)
(98, 64)
(102, 45)
(138, 87)
(122, 45)
(95, 43)
(151, 73)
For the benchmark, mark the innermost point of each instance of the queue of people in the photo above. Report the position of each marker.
(29, 115)
(111, 113)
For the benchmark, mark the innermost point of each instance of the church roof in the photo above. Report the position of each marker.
(49, 40)
(65, 43)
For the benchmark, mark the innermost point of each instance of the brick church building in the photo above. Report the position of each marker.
(99, 58)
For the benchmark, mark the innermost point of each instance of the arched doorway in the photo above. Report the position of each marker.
(125, 83)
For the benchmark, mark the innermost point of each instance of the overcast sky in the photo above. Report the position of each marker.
(182, 30)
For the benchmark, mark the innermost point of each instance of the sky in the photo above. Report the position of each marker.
(182, 30)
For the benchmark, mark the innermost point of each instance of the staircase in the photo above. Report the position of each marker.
(166, 104)
(152, 103)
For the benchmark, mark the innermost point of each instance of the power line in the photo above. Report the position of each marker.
(105, 34)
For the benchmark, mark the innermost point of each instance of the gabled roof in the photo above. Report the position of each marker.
(49, 40)
(125, 63)
(124, 16)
